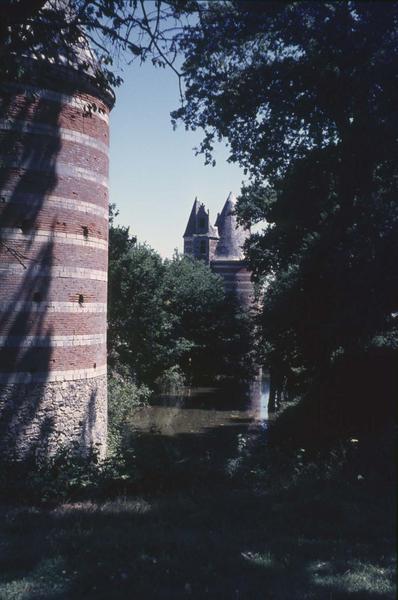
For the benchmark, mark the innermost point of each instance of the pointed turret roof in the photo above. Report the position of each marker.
(227, 210)
(191, 226)
(232, 235)
(199, 223)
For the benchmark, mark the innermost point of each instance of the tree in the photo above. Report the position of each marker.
(172, 313)
(193, 297)
(304, 92)
(138, 331)
(209, 326)
(93, 34)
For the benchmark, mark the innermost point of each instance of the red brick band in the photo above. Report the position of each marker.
(44, 184)
(51, 254)
(51, 359)
(53, 219)
(34, 323)
(74, 114)
(43, 289)
(69, 151)
(34, 203)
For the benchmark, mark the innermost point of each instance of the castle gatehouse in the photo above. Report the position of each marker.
(221, 247)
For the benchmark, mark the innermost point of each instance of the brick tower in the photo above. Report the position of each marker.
(221, 247)
(53, 259)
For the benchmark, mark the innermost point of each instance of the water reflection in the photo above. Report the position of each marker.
(259, 398)
(199, 410)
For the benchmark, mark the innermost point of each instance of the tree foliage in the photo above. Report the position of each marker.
(213, 328)
(172, 313)
(100, 35)
(137, 328)
(304, 93)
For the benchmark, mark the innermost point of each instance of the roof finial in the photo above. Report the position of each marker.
(231, 198)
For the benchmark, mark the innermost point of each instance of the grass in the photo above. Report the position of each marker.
(219, 543)
(216, 516)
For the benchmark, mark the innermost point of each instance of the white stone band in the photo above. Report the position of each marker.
(8, 196)
(51, 341)
(41, 235)
(49, 376)
(54, 307)
(33, 271)
(64, 99)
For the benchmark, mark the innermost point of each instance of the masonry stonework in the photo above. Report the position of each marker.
(46, 417)
(53, 262)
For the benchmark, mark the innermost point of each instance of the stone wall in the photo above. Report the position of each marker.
(45, 417)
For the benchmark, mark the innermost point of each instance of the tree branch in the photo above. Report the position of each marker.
(161, 53)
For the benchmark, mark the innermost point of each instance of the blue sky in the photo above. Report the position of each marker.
(154, 173)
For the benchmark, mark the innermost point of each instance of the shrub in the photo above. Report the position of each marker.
(124, 396)
(171, 379)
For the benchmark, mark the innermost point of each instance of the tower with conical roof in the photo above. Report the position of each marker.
(229, 261)
(221, 247)
(232, 235)
(200, 237)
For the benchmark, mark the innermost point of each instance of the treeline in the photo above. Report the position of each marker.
(170, 320)
(312, 119)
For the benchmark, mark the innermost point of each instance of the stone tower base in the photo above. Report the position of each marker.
(40, 419)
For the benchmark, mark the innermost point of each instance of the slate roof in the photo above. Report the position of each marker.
(232, 235)
(198, 210)
(191, 226)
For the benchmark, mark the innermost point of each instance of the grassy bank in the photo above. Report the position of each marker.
(218, 543)
(218, 516)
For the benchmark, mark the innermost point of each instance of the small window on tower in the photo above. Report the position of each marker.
(203, 246)
(202, 223)
(26, 225)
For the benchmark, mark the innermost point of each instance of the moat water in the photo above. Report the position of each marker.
(198, 434)
(197, 410)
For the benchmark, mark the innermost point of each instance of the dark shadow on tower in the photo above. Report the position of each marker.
(27, 176)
